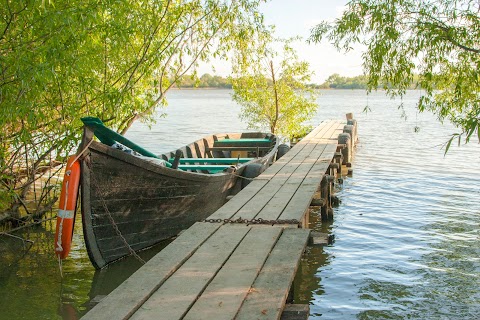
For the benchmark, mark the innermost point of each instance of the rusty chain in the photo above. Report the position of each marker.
(253, 221)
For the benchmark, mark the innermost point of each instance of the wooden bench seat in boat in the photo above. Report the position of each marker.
(222, 148)
(251, 144)
(254, 143)
(215, 167)
(211, 160)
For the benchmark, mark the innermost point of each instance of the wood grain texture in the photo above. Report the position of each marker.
(269, 292)
(225, 294)
(133, 292)
(181, 290)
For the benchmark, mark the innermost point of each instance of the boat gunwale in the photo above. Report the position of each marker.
(176, 173)
(96, 256)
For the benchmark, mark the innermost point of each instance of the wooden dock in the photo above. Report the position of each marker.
(240, 263)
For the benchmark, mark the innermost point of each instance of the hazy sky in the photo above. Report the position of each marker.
(296, 18)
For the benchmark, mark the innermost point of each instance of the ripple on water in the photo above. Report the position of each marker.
(406, 233)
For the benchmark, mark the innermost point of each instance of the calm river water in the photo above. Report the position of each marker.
(406, 233)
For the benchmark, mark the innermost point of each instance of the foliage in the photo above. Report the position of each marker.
(205, 81)
(336, 81)
(60, 60)
(272, 89)
(437, 39)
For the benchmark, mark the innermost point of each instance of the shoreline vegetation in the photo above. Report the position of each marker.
(334, 81)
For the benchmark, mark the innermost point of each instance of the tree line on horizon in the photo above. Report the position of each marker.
(334, 81)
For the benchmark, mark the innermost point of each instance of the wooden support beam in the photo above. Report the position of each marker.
(318, 202)
(295, 312)
(326, 211)
(320, 238)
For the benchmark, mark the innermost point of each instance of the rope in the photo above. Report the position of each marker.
(114, 225)
(60, 227)
(241, 177)
(81, 152)
(60, 266)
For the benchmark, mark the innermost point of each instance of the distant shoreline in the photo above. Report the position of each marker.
(335, 81)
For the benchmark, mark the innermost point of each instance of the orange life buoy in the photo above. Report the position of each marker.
(66, 212)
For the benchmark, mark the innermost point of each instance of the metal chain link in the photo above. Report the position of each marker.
(253, 221)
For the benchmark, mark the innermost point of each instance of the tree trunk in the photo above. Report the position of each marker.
(273, 125)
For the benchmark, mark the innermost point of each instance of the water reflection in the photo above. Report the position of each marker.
(308, 283)
(106, 280)
(30, 277)
(407, 242)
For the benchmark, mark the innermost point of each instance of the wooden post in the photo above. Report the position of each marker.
(353, 123)
(334, 168)
(306, 219)
(345, 138)
(350, 130)
(339, 159)
(326, 211)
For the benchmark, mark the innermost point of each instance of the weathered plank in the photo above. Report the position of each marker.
(278, 171)
(251, 208)
(300, 200)
(280, 200)
(229, 209)
(269, 292)
(182, 289)
(224, 295)
(236, 206)
(122, 302)
(272, 170)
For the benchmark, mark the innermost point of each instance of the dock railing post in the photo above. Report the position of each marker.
(345, 139)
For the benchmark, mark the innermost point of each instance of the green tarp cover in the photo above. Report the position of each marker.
(109, 137)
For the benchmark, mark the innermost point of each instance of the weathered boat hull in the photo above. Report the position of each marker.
(129, 204)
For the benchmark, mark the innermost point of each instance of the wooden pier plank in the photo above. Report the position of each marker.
(247, 203)
(244, 196)
(280, 200)
(231, 208)
(252, 207)
(182, 289)
(238, 201)
(301, 199)
(225, 294)
(269, 292)
(122, 302)
(307, 169)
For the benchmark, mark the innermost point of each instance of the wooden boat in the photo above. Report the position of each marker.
(130, 202)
